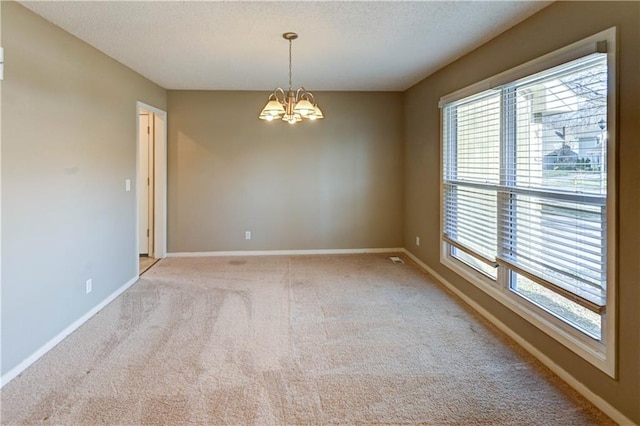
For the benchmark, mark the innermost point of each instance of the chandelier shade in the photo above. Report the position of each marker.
(291, 106)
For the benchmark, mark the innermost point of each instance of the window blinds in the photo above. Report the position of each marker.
(525, 179)
(471, 174)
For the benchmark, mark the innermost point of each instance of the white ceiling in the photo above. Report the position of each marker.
(237, 45)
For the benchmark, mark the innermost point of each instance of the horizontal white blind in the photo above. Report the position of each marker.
(525, 179)
(470, 219)
(561, 242)
(560, 128)
(548, 228)
(471, 172)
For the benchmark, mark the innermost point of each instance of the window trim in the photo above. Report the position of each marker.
(601, 354)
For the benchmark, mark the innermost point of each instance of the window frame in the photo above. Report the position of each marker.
(600, 353)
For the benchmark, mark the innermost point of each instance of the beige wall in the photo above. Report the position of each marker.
(554, 27)
(68, 144)
(330, 184)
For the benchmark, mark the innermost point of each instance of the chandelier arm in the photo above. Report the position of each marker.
(279, 91)
(310, 97)
(300, 93)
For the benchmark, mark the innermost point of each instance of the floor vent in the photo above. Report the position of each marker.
(396, 259)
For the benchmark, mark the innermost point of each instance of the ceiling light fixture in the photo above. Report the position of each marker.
(291, 106)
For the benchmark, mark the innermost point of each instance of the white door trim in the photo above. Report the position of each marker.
(160, 177)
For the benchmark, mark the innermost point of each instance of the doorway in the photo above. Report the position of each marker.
(151, 185)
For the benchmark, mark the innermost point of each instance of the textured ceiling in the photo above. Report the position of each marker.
(229, 45)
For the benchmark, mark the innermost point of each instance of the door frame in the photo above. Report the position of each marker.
(146, 194)
(160, 180)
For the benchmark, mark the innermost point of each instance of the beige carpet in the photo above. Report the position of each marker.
(289, 340)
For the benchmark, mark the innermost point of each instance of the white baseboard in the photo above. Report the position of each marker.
(13, 373)
(284, 252)
(603, 405)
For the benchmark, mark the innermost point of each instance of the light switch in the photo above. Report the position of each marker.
(127, 185)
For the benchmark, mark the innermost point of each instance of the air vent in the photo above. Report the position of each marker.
(396, 259)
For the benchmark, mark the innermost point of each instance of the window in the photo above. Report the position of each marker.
(527, 203)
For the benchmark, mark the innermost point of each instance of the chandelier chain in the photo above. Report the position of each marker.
(290, 66)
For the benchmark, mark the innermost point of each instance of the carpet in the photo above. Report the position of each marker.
(276, 340)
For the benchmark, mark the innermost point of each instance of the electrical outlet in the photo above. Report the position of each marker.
(89, 285)
(1, 63)
(247, 235)
(418, 241)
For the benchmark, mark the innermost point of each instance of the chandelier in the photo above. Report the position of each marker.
(292, 106)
